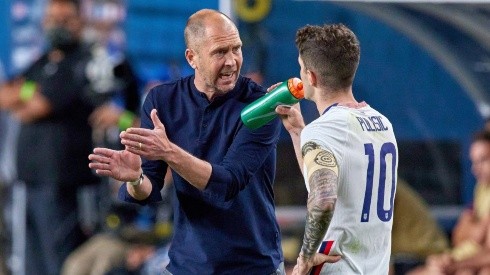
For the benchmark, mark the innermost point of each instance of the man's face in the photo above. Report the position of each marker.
(218, 59)
(480, 161)
(62, 23)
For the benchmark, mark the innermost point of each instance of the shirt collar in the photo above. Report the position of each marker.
(328, 108)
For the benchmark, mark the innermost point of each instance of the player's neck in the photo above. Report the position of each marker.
(344, 97)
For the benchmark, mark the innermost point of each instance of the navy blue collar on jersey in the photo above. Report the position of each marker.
(326, 110)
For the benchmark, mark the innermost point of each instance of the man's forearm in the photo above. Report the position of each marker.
(196, 171)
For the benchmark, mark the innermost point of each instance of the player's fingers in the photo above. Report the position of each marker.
(322, 258)
(283, 109)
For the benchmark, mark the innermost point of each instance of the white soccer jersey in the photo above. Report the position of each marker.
(364, 145)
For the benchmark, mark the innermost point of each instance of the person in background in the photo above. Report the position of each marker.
(416, 233)
(7, 175)
(348, 157)
(223, 172)
(470, 253)
(50, 101)
(131, 233)
(114, 89)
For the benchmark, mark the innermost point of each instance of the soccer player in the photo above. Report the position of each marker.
(348, 157)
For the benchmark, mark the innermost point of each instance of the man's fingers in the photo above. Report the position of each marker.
(135, 132)
(99, 166)
(105, 173)
(273, 86)
(156, 121)
(99, 158)
(103, 152)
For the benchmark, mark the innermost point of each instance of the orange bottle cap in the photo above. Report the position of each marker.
(295, 86)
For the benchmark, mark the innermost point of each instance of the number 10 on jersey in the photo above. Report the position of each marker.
(386, 149)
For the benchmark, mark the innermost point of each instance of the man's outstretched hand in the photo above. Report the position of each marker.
(120, 165)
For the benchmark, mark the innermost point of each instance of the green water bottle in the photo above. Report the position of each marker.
(262, 110)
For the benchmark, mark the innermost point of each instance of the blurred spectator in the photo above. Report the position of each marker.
(471, 235)
(133, 234)
(122, 110)
(52, 100)
(113, 88)
(7, 172)
(109, 71)
(415, 234)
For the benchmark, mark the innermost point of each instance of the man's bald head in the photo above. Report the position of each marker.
(198, 22)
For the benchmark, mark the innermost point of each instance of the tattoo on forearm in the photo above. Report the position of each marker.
(321, 203)
(309, 146)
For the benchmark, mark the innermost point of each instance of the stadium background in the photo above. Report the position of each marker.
(424, 65)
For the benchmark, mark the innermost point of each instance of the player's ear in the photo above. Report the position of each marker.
(311, 75)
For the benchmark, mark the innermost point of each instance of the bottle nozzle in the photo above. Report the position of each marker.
(295, 86)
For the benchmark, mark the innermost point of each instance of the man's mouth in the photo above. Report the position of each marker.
(226, 76)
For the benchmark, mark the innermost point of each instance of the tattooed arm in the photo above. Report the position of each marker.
(322, 174)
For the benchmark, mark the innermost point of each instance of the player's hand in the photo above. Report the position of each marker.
(304, 265)
(152, 144)
(290, 115)
(120, 165)
(291, 118)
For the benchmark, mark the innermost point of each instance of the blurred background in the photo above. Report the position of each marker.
(424, 64)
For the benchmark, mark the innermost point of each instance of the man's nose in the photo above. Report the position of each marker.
(229, 58)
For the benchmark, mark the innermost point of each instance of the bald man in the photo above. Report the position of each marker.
(224, 216)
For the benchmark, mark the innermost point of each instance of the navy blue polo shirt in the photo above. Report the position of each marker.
(230, 227)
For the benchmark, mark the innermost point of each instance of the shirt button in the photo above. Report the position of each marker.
(204, 125)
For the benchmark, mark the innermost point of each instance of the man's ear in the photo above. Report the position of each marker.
(191, 58)
(311, 75)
